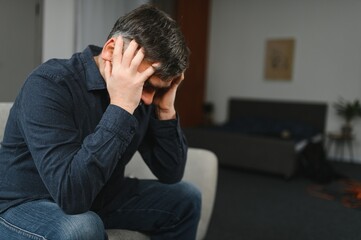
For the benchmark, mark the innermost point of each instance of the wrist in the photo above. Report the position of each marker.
(163, 114)
(126, 107)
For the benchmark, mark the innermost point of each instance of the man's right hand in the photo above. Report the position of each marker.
(124, 81)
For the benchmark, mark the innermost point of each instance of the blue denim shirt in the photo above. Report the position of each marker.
(64, 141)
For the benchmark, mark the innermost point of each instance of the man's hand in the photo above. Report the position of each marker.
(124, 82)
(164, 100)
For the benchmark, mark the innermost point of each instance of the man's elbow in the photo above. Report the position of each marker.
(74, 207)
(170, 179)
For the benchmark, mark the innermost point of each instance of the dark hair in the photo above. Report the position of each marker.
(159, 35)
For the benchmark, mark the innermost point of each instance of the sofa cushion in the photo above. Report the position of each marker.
(4, 113)
(115, 234)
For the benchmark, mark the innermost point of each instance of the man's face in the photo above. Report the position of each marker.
(152, 85)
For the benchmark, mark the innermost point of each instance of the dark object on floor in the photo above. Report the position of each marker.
(314, 164)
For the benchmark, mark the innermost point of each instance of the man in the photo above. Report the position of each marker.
(76, 123)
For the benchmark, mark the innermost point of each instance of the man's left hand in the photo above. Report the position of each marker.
(164, 100)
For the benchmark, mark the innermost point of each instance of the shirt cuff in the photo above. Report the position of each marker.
(117, 120)
(165, 128)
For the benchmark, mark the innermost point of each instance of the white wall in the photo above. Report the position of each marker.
(327, 61)
(58, 29)
(95, 19)
(71, 25)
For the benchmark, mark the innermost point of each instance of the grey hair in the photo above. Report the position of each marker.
(159, 35)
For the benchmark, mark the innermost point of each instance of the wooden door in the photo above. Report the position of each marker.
(193, 18)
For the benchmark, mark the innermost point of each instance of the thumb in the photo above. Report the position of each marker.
(107, 69)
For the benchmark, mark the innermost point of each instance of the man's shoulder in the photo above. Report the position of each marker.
(60, 69)
(79, 71)
(73, 68)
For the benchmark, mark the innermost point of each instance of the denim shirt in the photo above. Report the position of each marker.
(63, 140)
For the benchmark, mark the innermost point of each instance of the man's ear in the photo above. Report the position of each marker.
(108, 48)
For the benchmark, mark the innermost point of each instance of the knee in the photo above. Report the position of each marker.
(190, 198)
(85, 226)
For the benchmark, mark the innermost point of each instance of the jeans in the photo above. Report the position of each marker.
(163, 211)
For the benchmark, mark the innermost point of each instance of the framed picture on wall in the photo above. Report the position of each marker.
(279, 59)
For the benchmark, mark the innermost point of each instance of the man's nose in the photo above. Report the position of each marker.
(147, 97)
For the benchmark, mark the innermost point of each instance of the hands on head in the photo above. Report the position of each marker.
(126, 73)
(124, 81)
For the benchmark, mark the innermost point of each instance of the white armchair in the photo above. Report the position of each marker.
(201, 170)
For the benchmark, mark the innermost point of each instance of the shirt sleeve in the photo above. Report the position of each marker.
(165, 149)
(74, 170)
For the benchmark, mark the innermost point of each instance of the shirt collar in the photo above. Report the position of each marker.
(94, 79)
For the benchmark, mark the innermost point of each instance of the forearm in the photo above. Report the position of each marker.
(165, 150)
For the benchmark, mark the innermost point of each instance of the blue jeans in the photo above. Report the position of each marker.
(162, 211)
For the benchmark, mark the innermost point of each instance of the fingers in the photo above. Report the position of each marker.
(130, 52)
(179, 79)
(131, 58)
(108, 69)
(118, 50)
(137, 60)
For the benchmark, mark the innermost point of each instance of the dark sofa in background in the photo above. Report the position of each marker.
(263, 135)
